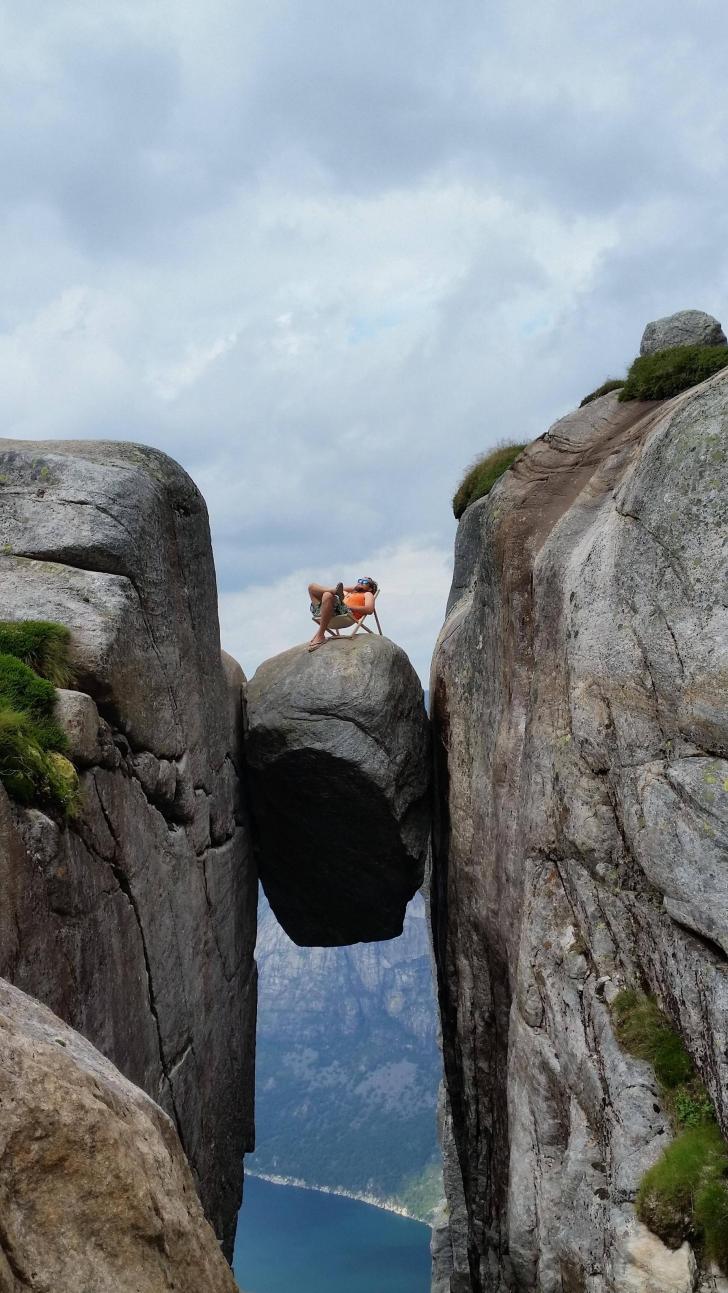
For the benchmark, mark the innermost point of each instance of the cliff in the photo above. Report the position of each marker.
(135, 920)
(95, 1192)
(581, 823)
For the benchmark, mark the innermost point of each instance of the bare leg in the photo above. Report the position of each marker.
(316, 592)
(328, 605)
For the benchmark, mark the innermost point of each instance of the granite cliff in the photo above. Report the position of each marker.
(135, 921)
(581, 824)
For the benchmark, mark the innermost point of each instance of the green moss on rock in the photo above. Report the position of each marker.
(482, 475)
(611, 384)
(40, 644)
(668, 372)
(685, 1194)
(643, 1030)
(33, 767)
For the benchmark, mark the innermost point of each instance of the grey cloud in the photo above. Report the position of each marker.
(127, 145)
(326, 254)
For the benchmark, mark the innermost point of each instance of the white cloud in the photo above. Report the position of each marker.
(325, 263)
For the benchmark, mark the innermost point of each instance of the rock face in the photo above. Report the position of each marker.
(338, 759)
(95, 1191)
(136, 923)
(686, 328)
(581, 748)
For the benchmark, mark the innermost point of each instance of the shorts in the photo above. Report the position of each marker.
(339, 609)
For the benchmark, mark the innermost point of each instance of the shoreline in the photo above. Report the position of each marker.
(383, 1205)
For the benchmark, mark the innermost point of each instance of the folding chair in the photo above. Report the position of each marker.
(338, 622)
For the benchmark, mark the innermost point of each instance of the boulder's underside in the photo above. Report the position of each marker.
(338, 761)
(581, 831)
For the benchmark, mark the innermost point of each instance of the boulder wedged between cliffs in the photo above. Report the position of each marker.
(339, 767)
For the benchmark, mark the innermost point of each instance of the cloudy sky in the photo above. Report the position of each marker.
(324, 253)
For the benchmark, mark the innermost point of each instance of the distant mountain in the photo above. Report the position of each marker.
(348, 1065)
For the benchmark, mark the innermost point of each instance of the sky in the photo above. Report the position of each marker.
(325, 254)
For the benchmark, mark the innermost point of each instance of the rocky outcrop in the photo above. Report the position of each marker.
(95, 1191)
(338, 759)
(581, 747)
(136, 922)
(686, 328)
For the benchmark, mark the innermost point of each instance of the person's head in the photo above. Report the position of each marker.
(366, 584)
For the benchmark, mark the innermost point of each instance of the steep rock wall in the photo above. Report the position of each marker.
(581, 747)
(136, 922)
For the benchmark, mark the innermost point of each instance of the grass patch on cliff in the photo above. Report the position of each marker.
(481, 476)
(33, 766)
(668, 372)
(643, 1030)
(611, 384)
(685, 1194)
(40, 644)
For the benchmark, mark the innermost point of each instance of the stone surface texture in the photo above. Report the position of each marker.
(686, 328)
(136, 922)
(581, 821)
(338, 757)
(95, 1191)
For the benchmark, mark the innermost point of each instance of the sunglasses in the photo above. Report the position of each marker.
(368, 582)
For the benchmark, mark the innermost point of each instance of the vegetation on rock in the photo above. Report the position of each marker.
(480, 478)
(685, 1194)
(40, 644)
(611, 384)
(668, 372)
(33, 767)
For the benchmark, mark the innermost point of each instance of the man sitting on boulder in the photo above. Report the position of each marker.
(357, 600)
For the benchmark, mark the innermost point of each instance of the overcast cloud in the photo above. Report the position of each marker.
(325, 253)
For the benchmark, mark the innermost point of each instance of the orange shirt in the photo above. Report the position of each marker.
(352, 600)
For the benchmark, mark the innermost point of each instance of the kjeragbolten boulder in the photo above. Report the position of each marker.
(338, 759)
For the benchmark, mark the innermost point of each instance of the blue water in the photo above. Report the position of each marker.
(290, 1239)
